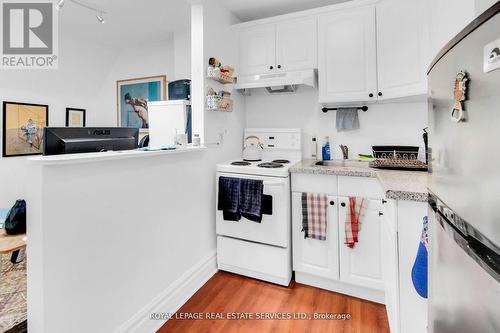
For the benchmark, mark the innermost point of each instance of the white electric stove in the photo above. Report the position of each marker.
(262, 250)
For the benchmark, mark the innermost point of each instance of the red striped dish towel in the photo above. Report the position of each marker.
(355, 214)
(314, 215)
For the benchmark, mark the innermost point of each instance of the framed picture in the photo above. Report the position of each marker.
(22, 128)
(75, 117)
(133, 96)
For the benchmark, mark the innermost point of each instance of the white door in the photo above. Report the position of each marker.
(402, 48)
(390, 271)
(296, 44)
(314, 256)
(258, 50)
(361, 265)
(347, 66)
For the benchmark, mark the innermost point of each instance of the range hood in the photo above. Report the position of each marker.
(277, 82)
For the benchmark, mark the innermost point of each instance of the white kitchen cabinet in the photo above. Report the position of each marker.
(257, 49)
(402, 48)
(347, 66)
(317, 257)
(362, 265)
(284, 46)
(390, 264)
(296, 44)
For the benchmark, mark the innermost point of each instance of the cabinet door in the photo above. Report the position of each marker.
(258, 50)
(314, 256)
(347, 56)
(296, 44)
(390, 266)
(361, 265)
(402, 48)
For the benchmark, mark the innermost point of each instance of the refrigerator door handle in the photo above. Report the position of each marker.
(486, 257)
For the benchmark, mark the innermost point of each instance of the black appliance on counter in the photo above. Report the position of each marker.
(180, 89)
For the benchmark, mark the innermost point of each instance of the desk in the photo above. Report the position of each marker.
(10, 243)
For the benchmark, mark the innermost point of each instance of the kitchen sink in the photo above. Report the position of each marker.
(343, 163)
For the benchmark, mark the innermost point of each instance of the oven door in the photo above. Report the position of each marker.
(274, 228)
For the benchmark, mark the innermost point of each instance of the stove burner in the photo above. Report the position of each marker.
(241, 163)
(281, 161)
(270, 165)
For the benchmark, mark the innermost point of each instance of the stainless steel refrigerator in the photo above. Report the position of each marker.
(464, 205)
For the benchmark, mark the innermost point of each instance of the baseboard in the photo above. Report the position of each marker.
(172, 298)
(373, 295)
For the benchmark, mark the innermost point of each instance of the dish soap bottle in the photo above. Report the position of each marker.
(326, 149)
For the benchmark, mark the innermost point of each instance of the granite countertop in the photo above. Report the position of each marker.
(398, 185)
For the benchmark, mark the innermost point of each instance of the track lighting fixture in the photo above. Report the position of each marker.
(99, 12)
(60, 4)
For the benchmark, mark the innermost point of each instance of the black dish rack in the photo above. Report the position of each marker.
(397, 158)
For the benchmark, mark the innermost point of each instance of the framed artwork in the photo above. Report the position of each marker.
(22, 128)
(75, 117)
(133, 96)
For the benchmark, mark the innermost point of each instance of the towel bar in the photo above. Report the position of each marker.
(362, 108)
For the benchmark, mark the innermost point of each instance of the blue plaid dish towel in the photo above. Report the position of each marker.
(229, 196)
(240, 197)
(251, 192)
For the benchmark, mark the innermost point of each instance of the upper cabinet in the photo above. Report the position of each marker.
(258, 49)
(296, 44)
(347, 66)
(368, 52)
(284, 46)
(402, 48)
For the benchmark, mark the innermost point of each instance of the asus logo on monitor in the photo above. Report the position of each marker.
(101, 132)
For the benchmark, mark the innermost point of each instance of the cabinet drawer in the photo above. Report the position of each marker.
(360, 187)
(326, 184)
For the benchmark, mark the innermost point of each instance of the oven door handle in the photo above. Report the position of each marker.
(268, 183)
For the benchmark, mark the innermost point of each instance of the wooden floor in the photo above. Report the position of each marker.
(229, 293)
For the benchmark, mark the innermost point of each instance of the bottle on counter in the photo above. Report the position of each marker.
(326, 154)
(196, 140)
(314, 148)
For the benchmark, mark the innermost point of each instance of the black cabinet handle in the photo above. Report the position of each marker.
(370, 95)
(332, 203)
(343, 204)
(271, 67)
(380, 93)
(384, 201)
(279, 66)
(380, 213)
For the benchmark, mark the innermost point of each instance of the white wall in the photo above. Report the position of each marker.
(136, 61)
(136, 226)
(76, 83)
(482, 5)
(86, 79)
(382, 124)
(448, 18)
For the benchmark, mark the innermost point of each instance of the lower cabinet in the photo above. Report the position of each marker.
(379, 266)
(361, 265)
(314, 256)
(331, 258)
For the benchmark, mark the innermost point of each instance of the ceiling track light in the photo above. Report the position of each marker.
(60, 4)
(99, 12)
(100, 18)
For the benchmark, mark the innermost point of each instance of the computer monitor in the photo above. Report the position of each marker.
(72, 140)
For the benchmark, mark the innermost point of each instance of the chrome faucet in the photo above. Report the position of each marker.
(345, 152)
